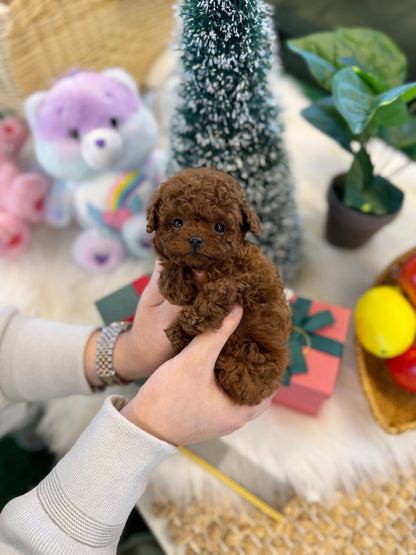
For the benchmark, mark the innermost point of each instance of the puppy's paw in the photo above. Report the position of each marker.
(192, 323)
(177, 337)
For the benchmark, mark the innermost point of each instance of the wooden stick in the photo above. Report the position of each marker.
(233, 485)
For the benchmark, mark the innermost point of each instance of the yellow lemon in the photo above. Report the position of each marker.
(385, 321)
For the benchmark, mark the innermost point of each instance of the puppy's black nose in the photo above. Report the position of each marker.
(196, 242)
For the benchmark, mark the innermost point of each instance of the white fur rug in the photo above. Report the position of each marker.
(313, 455)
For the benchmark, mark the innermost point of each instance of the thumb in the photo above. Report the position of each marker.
(151, 295)
(207, 346)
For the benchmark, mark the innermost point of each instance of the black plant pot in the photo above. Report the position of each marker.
(347, 227)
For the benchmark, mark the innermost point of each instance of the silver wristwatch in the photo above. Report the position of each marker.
(104, 353)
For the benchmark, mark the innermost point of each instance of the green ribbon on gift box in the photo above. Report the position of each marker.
(303, 334)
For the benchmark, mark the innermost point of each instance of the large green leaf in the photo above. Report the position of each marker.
(374, 82)
(387, 196)
(406, 92)
(358, 104)
(375, 52)
(392, 115)
(353, 98)
(371, 51)
(368, 193)
(358, 178)
(390, 107)
(324, 116)
(402, 138)
(315, 54)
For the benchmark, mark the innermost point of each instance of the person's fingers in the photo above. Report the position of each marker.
(207, 346)
(157, 268)
(244, 413)
(151, 295)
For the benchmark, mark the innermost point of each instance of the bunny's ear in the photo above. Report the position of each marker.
(152, 212)
(251, 221)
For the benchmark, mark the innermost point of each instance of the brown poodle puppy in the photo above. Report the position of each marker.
(200, 219)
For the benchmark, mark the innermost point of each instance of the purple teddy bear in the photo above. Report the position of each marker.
(97, 139)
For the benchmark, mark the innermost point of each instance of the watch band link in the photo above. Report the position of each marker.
(104, 353)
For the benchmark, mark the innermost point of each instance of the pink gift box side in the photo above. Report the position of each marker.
(307, 392)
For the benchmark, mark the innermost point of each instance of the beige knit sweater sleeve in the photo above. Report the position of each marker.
(40, 359)
(81, 507)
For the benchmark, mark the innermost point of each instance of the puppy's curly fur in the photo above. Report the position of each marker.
(200, 219)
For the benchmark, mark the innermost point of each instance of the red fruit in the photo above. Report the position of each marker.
(403, 369)
(407, 279)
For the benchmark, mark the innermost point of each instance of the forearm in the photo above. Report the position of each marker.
(41, 359)
(85, 501)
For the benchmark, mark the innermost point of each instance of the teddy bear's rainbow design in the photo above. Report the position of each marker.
(123, 189)
(123, 201)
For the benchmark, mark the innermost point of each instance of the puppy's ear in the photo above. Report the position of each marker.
(251, 221)
(152, 212)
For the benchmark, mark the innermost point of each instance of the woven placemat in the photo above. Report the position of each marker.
(376, 521)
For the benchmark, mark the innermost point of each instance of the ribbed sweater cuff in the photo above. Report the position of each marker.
(42, 359)
(93, 489)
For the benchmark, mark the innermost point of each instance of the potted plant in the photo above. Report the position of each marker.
(364, 72)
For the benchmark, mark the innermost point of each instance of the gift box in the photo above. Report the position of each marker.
(316, 345)
(122, 303)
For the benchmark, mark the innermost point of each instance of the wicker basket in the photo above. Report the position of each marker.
(394, 408)
(43, 39)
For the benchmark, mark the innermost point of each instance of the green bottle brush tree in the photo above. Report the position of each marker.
(227, 118)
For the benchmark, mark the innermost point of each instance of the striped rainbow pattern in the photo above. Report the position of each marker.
(123, 188)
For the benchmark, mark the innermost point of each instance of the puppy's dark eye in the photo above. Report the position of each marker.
(177, 223)
(74, 134)
(219, 228)
(114, 122)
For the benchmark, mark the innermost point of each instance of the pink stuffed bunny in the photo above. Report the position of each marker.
(21, 194)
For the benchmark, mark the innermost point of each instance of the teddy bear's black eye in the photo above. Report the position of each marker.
(177, 223)
(114, 122)
(74, 134)
(219, 227)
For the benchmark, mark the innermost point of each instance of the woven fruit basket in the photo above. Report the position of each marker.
(394, 408)
(41, 40)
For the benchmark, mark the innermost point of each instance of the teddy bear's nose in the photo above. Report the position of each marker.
(100, 143)
(196, 242)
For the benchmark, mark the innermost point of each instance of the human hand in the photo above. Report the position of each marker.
(140, 350)
(181, 402)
